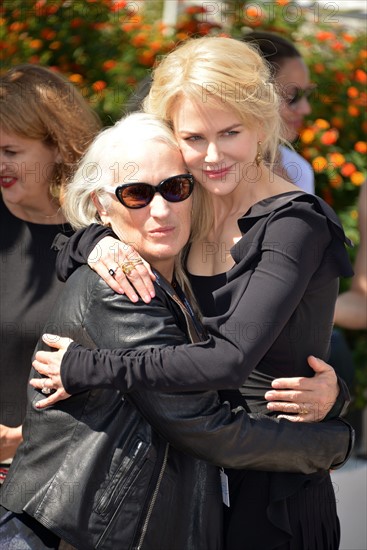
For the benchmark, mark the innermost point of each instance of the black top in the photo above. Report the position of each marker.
(28, 290)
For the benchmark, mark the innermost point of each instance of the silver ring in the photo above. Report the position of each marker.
(112, 272)
(46, 391)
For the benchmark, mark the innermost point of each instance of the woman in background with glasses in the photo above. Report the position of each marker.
(291, 75)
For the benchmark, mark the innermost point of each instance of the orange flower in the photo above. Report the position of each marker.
(348, 169)
(352, 92)
(36, 44)
(357, 178)
(99, 85)
(319, 68)
(338, 47)
(337, 122)
(353, 110)
(253, 13)
(322, 124)
(139, 40)
(319, 164)
(56, 45)
(146, 58)
(336, 181)
(307, 135)
(330, 137)
(48, 34)
(16, 26)
(76, 23)
(282, 2)
(76, 78)
(361, 76)
(340, 77)
(118, 5)
(337, 159)
(348, 37)
(325, 35)
(109, 64)
(361, 147)
(155, 46)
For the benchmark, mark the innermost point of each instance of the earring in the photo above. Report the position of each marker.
(259, 154)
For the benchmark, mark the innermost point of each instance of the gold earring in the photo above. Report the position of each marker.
(259, 154)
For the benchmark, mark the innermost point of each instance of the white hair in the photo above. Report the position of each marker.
(100, 165)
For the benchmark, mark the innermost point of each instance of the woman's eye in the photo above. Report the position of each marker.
(10, 153)
(192, 138)
(231, 133)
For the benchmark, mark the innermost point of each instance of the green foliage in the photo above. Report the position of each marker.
(106, 47)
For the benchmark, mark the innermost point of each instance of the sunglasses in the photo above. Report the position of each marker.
(297, 94)
(137, 195)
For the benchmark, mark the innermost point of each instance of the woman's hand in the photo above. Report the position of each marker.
(305, 399)
(123, 269)
(48, 363)
(10, 438)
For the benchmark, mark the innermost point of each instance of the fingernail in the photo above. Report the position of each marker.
(152, 293)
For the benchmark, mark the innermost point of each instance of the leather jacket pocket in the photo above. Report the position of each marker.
(123, 478)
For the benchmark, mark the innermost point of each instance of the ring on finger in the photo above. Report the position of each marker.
(128, 266)
(303, 410)
(112, 272)
(44, 390)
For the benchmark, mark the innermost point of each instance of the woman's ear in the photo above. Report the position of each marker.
(102, 212)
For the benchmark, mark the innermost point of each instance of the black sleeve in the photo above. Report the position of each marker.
(342, 401)
(76, 250)
(197, 422)
(225, 360)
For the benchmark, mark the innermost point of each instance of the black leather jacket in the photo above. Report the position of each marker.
(106, 471)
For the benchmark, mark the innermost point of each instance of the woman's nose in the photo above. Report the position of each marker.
(159, 207)
(304, 106)
(213, 153)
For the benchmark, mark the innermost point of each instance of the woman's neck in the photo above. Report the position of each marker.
(51, 215)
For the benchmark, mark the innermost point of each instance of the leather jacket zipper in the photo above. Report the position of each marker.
(153, 499)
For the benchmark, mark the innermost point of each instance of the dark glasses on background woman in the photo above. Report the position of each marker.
(137, 195)
(294, 94)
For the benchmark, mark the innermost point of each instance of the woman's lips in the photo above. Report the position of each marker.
(215, 174)
(6, 182)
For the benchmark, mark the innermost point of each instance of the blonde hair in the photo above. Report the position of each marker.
(37, 103)
(97, 169)
(219, 69)
(225, 71)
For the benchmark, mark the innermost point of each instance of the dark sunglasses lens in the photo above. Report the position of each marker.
(136, 195)
(299, 94)
(176, 189)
